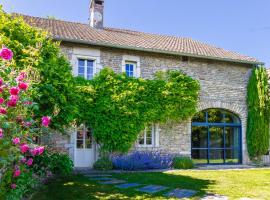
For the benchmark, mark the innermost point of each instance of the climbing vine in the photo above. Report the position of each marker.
(118, 107)
(258, 113)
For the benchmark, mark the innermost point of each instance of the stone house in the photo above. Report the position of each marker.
(216, 135)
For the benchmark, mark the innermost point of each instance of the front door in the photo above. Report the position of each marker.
(84, 155)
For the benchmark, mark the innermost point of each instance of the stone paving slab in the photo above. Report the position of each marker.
(101, 179)
(113, 181)
(152, 189)
(214, 197)
(181, 193)
(99, 175)
(128, 185)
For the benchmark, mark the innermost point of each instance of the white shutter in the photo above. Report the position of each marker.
(156, 135)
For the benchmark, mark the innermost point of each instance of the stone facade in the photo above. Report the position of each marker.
(223, 85)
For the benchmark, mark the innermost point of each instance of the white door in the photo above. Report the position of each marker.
(84, 155)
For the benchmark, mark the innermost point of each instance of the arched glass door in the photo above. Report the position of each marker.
(216, 137)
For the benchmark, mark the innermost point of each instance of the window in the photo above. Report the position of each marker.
(130, 69)
(148, 137)
(86, 68)
(84, 138)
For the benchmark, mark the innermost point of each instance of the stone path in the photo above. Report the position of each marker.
(107, 179)
(151, 189)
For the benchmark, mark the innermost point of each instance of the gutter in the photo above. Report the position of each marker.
(102, 44)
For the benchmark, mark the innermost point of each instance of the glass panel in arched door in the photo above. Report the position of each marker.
(216, 137)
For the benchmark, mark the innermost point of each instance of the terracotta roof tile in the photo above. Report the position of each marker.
(83, 33)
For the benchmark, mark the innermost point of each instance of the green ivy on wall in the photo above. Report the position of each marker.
(118, 107)
(258, 113)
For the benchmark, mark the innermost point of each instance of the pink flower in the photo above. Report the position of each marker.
(46, 120)
(21, 77)
(16, 140)
(23, 86)
(40, 150)
(1, 133)
(11, 103)
(17, 173)
(13, 186)
(3, 111)
(34, 151)
(14, 91)
(1, 82)
(24, 148)
(26, 124)
(2, 100)
(29, 162)
(6, 53)
(23, 160)
(28, 103)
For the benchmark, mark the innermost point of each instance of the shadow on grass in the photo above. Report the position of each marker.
(78, 187)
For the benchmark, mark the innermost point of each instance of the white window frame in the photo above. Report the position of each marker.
(85, 66)
(129, 59)
(84, 129)
(154, 137)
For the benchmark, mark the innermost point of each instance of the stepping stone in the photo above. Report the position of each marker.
(127, 185)
(113, 181)
(101, 179)
(152, 189)
(181, 193)
(214, 197)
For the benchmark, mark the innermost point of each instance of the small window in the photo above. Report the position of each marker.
(86, 68)
(146, 138)
(84, 138)
(130, 69)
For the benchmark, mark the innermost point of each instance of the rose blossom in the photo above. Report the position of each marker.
(16, 140)
(46, 120)
(40, 150)
(1, 82)
(13, 186)
(24, 148)
(17, 173)
(29, 162)
(23, 86)
(34, 151)
(14, 91)
(11, 103)
(6, 53)
(23, 160)
(21, 77)
(1, 133)
(2, 100)
(3, 111)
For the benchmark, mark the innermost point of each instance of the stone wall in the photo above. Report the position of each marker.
(223, 85)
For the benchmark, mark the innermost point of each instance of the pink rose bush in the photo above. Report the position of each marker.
(18, 124)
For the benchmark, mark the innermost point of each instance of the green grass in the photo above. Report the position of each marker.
(232, 183)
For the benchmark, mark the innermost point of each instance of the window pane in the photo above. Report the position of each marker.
(215, 115)
(79, 144)
(216, 156)
(231, 137)
(199, 117)
(199, 156)
(232, 156)
(81, 62)
(141, 138)
(88, 139)
(88, 144)
(80, 134)
(199, 136)
(131, 67)
(216, 137)
(90, 63)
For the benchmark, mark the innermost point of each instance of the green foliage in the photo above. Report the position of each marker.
(118, 107)
(52, 162)
(103, 163)
(55, 90)
(183, 163)
(258, 113)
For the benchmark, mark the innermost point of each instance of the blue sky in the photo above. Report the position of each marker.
(237, 25)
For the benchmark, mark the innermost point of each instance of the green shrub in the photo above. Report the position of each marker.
(183, 163)
(103, 163)
(258, 101)
(53, 162)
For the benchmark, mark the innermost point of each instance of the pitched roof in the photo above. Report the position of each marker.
(126, 39)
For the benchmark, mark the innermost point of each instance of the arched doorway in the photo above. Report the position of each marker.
(216, 137)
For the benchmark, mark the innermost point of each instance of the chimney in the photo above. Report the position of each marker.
(96, 13)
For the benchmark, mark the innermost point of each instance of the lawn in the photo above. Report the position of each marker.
(235, 184)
